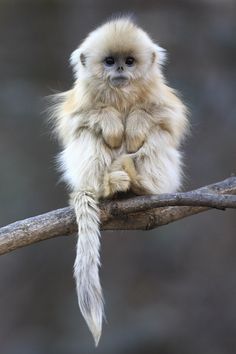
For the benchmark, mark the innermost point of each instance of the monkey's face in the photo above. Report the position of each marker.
(119, 69)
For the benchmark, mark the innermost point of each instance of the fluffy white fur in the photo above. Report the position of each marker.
(115, 139)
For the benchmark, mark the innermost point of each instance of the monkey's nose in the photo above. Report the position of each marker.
(120, 69)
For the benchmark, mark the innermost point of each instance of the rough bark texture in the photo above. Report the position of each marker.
(136, 213)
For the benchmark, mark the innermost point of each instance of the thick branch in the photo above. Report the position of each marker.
(137, 213)
(193, 198)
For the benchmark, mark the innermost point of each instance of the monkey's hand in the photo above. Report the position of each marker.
(112, 128)
(138, 125)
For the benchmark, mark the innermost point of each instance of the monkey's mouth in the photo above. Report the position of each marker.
(119, 81)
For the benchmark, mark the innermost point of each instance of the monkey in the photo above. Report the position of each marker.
(121, 128)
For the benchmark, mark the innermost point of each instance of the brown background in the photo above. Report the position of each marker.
(169, 291)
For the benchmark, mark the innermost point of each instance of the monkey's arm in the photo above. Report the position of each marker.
(158, 161)
(169, 115)
(70, 118)
(107, 122)
(138, 124)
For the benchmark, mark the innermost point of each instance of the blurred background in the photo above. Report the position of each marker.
(168, 291)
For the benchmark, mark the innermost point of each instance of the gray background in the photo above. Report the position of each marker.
(169, 291)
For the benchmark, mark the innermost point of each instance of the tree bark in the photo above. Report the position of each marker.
(136, 213)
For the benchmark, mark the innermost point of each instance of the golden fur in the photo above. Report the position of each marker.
(115, 139)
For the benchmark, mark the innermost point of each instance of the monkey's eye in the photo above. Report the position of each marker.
(109, 61)
(129, 61)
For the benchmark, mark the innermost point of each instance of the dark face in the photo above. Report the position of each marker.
(119, 69)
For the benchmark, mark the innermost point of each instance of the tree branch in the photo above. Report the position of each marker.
(136, 213)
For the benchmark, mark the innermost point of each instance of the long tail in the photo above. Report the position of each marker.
(87, 262)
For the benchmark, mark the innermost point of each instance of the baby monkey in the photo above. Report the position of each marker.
(120, 127)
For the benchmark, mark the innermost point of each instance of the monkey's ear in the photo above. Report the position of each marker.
(74, 58)
(77, 56)
(82, 59)
(160, 53)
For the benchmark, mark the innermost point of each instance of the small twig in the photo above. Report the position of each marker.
(133, 213)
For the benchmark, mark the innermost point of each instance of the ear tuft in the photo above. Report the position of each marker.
(74, 58)
(161, 54)
(74, 62)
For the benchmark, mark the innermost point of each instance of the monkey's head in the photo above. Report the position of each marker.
(117, 54)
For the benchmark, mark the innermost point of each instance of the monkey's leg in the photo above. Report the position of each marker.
(158, 163)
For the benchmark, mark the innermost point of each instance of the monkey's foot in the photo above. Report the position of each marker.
(116, 181)
(135, 179)
(125, 163)
(129, 167)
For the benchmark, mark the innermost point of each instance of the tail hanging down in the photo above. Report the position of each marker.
(87, 262)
